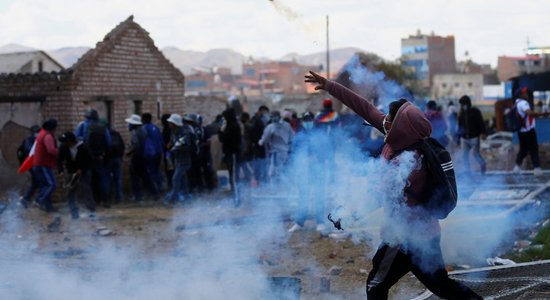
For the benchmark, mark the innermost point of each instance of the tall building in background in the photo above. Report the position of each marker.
(427, 55)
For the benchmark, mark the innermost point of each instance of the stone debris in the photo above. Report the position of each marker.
(67, 253)
(350, 260)
(334, 270)
(104, 232)
(320, 284)
(55, 225)
(497, 261)
(522, 244)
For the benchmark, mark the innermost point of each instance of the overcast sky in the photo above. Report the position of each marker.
(484, 28)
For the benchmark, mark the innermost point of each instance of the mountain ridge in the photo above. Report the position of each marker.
(186, 60)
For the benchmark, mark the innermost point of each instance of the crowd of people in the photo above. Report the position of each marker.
(173, 162)
(170, 163)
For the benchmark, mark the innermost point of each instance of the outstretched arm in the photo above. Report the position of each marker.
(355, 102)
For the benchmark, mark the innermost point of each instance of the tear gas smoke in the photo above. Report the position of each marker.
(296, 19)
(374, 84)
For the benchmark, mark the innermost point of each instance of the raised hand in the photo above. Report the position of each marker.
(316, 79)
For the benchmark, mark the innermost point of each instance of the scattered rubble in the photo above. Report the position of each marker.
(103, 231)
(55, 225)
(497, 261)
(334, 270)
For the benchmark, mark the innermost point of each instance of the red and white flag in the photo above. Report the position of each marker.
(28, 162)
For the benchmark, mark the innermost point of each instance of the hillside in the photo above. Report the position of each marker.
(186, 60)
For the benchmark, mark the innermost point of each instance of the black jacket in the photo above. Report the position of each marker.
(470, 123)
(82, 160)
(231, 136)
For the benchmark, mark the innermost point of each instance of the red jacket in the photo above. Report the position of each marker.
(45, 151)
(409, 221)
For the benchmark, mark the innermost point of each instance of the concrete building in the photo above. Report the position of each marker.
(428, 55)
(512, 66)
(28, 62)
(124, 74)
(454, 86)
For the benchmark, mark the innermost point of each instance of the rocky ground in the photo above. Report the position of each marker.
(202, 249)
(154, 235)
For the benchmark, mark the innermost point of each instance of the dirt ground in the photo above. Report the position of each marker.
(328, 267)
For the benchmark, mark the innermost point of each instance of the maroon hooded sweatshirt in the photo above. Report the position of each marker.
(409, 221)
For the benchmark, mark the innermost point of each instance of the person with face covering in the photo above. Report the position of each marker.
(410, 235)
(277, 137)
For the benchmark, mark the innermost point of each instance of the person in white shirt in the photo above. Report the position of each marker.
(527, 135)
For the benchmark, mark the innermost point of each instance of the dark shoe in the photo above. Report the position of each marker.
(483, 168)
(48, 208)
(74, 214)
(106, 205)
(24, 203)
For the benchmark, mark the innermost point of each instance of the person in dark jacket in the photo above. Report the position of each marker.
(152, 153)
(470, 128)
(168, 161)
(181, 144)
(115, 153)
(138, 168)
(73, 162)
(22, 153)
(230, 136)
(410, 235)
(256, 127)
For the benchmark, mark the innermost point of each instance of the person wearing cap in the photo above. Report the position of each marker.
(527, 135)
(410, 234)
(180, 146)
(73, 163)
(138, 169)
(22, 153)
(45, 155)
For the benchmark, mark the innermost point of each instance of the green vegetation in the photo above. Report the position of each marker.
(536, 253)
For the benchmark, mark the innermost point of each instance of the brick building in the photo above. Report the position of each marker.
(124, 74)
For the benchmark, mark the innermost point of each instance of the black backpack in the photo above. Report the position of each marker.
(116, 149)
(442, 192)
(96, 140)
(24, 149)
(512, 119)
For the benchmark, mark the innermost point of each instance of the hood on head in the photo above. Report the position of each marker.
(409, 126)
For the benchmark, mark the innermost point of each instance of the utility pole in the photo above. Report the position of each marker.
(328, 53)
